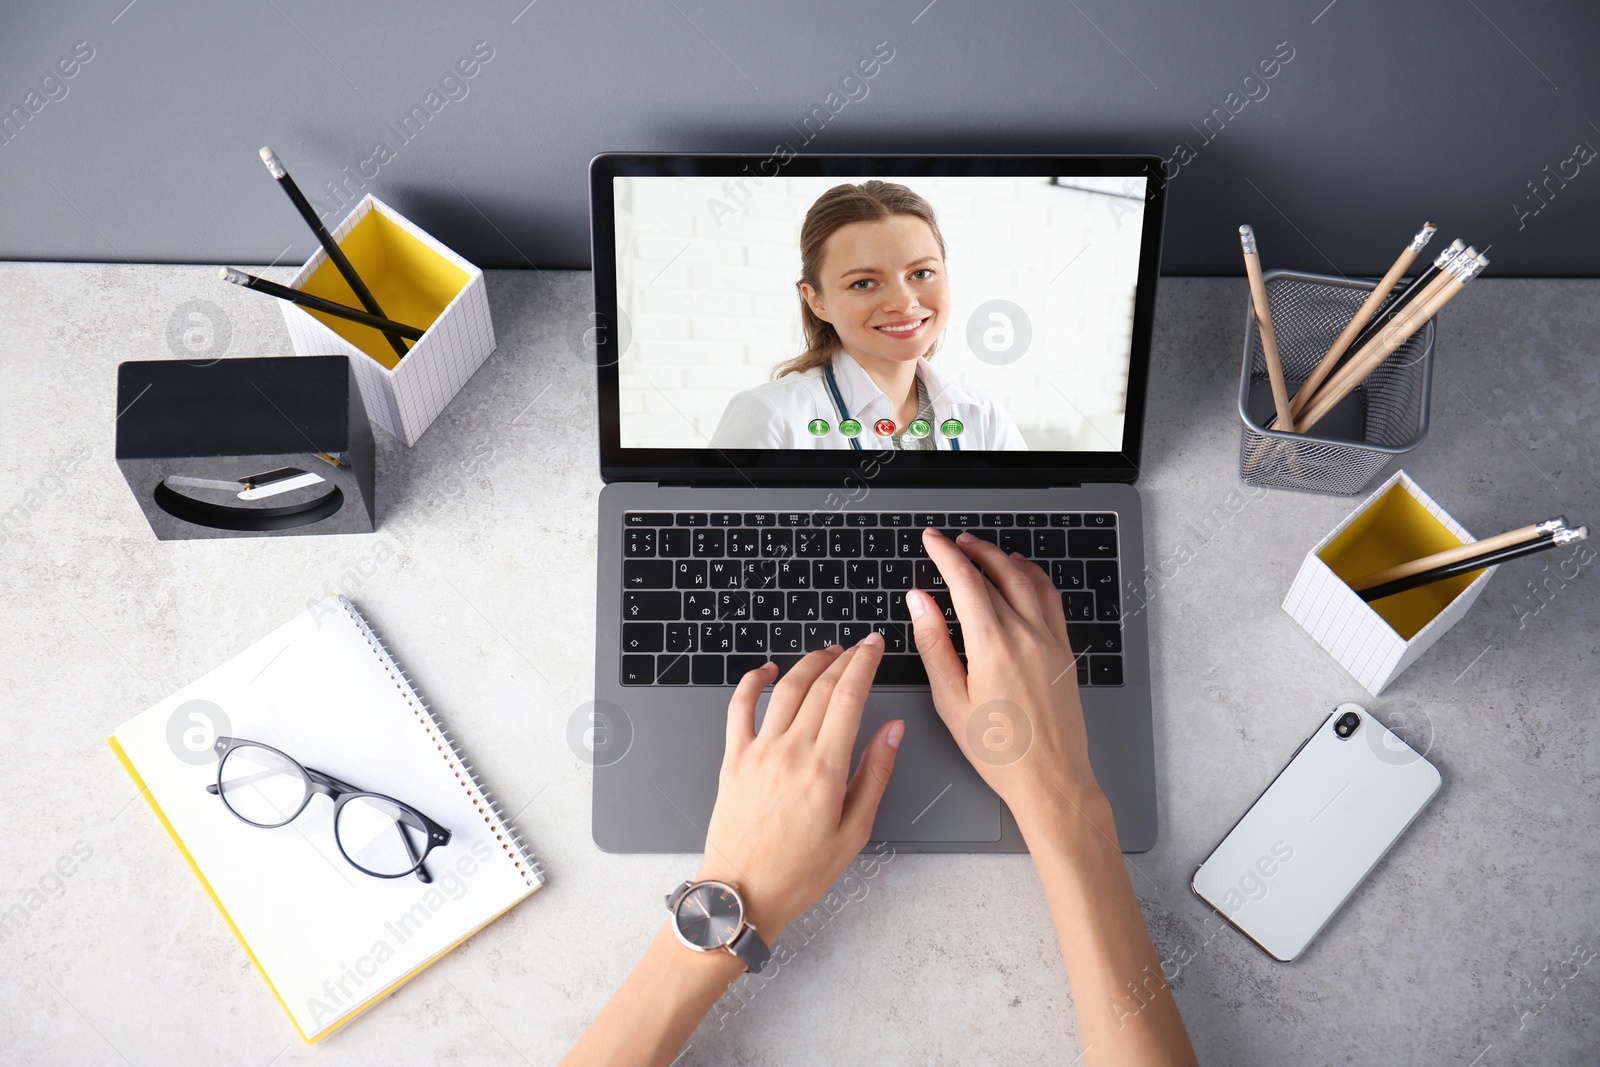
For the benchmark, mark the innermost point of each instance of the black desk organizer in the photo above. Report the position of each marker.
(260, 447)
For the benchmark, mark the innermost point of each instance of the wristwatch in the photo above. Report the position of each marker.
(709, 915)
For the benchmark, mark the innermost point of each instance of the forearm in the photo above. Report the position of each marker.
(649, 1018)
(1125, 1009)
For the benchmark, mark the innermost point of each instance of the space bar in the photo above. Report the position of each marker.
(901, 670)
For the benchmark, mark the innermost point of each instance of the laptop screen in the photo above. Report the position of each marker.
(971, 310)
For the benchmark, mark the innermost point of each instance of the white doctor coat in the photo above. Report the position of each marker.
(777, 414)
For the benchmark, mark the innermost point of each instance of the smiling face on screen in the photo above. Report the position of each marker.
(883, 288)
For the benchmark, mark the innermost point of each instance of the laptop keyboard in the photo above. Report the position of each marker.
(707, 596)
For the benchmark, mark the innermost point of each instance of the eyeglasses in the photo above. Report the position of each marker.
(378, 835)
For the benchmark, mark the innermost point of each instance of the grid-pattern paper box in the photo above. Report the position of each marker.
(417, 281)
(1376, 641)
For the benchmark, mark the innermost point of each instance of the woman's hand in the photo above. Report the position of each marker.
(787, 822)
(1014, 707)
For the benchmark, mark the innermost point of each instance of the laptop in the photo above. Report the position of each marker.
(970, 352)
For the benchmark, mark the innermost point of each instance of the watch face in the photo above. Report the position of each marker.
(709, 916)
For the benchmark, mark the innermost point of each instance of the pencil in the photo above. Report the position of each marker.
(1395, 334)
(316, 303)
(329, 245)
(1269, 340)
(1410, 293)
(1475, 563)
(1384, 288)
(1460, 552)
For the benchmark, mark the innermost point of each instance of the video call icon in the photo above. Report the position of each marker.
(850, 428)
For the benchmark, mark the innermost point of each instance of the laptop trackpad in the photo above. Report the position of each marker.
(934, 794)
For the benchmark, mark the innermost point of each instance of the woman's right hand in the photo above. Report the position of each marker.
(1014, 707)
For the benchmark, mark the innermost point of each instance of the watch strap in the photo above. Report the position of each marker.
(749, 947)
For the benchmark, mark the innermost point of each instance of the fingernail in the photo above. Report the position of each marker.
(915, 604)
(874, 638)
(835, 649)
(965, 539)
(933, 530)
(1019, 557)
(897, 730)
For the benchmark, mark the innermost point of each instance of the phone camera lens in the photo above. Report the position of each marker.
(1347, 724)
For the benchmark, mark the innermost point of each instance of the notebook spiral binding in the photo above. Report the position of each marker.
(486, 803)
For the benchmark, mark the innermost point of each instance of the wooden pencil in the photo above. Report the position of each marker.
(1269, 340)
(1457, 554)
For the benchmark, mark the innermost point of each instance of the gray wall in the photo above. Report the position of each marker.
(1387, 114)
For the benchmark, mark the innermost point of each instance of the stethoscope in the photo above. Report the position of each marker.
(844, 414)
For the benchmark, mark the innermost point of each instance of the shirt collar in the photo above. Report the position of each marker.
(866, 402)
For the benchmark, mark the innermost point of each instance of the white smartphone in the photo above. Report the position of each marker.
(1348, 793)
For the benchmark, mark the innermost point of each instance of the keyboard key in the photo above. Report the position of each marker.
(681, 637)
(996, 520)
(1092, 544)
(784, 637)
(642, 637)
(817, 635)
(1105, 670)
(760, 519)
(739, 666)
(923, 519)
(827, 518)
(900, 520)
(872, 607)
(895, 573)
(723, 574)
(706, 670)
(1033, 520)
(726, 519)
(1101, 576)
(766, 606)
(638, 607)
(837, 606)
(861, 573)
(707, 544)
(1099, 520)
(794, 518)
(750, 637)
(794, 574)
(956, 640)
(1100, 637)
(860, 518)
(894, 637)
(909, 543)
(844, 543)
(986, 533)
(691, 519)
(897, 608)
(1049, 544)
(851, 632)
(733, 606)
(811, 544)
(1017, 541)
(1079, 607)
(1067, 575)
(744, 543)
(926, 575)
(777, 544)
(785, 662)
(673, 543)
(637, 543)
(760, 574)
(878, 543)
(802, 607)
(647, 574)
(827, 574)
(672, 670)
(901, 670)
(1083, 670)
(690, 574)
(699, 606)
(1068, 521)
(638, 670)
(646, 518)
(716, 637)
(941, 599)
(964, 520)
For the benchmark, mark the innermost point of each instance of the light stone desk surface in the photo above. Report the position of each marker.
(1473, 943)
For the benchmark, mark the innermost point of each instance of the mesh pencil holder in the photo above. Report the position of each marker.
(1383, 417)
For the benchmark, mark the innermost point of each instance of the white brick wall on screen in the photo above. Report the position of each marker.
(714, 306)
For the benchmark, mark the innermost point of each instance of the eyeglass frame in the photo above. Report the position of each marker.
(340, 793)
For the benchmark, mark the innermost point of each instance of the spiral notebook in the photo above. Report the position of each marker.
(330, 940)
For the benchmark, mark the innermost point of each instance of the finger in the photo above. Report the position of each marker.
(970, 591)
(1049, 597)
(1006, 576)
(808, 720)
(946, 675)
(841, 720)
(792, 688)
(866, 786)
(742, 706)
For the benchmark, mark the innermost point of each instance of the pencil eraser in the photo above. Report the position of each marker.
(270, 158)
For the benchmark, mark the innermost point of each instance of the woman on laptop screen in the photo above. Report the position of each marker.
(874, 300)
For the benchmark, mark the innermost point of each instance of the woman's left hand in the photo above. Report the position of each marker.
(789, 817)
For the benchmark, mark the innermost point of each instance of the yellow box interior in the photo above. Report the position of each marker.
(1397, 529)
(410, 281)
